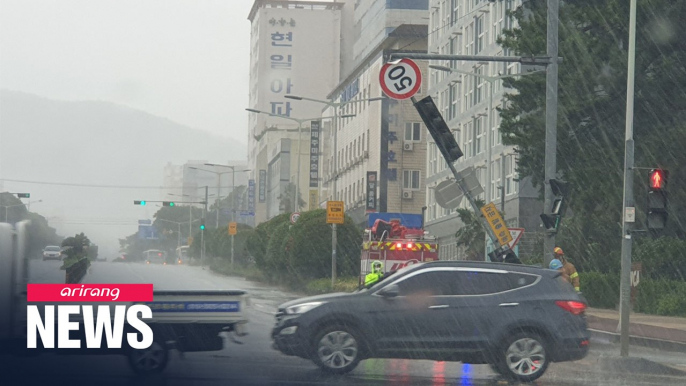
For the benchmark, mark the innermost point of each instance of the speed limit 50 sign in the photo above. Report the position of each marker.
(400, 79)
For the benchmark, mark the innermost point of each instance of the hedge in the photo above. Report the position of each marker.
(655, 296)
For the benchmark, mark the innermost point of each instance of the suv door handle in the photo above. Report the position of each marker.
(439, 306)
(508, 304)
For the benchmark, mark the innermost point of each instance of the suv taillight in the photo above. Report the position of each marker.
(576, 308)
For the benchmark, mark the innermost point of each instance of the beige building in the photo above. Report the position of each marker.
(295, 49)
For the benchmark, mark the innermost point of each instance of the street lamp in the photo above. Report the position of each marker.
(190, 212)
(491, 80)
(178, 224)
(219, 180)
(300, 126)
(14, 206)
(336, 106)
(233, 204)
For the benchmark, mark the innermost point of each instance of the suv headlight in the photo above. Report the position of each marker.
(302, 308)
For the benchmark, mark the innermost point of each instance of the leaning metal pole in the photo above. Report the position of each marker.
(625, 282)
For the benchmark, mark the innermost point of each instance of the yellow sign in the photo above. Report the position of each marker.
(232, 228)
(335, 212)
(495, 221)
(190, 241)
(314, 199)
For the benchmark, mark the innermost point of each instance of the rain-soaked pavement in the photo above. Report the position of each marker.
(254, 362)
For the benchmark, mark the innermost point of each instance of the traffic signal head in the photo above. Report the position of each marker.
(167, 203)
(24, 195)
(139, 203)
(551, 221)
(202, 224)
(439, 130)
(658, 179)
(656, 217)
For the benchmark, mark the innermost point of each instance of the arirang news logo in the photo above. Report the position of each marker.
(89, 321)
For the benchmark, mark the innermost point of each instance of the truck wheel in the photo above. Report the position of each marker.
(522, 357)
(336, 349)
(149, 360)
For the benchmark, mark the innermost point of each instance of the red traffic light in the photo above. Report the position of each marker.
(658, 179)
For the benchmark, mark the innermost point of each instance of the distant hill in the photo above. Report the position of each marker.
(94, 142)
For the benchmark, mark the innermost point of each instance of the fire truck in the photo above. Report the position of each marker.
(396, 240)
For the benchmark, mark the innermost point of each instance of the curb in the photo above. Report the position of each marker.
(660, 344)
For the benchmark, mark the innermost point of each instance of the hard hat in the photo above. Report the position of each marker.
(555, 264)
(376, 264)
(558, 251)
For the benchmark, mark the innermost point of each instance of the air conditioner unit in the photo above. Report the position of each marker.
(408, 146)
(407, 194)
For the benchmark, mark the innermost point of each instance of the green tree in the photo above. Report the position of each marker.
(258, 241)
(308, 250)
(471, 234)
(592, 91)
(76, 246)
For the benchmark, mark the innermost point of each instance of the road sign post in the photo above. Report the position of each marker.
(400, 79)
(294, 217)
(335, 214)
(232, 228)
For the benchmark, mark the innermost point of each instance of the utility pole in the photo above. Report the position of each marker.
(233, 208)
(625, 282)
(202, 231)
(550, 122)
(217, 200)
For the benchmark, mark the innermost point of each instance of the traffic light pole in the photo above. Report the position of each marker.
(550, 165)
(625, 282)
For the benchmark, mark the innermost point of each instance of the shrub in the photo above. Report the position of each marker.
(600, 289)
(323, 286)
(309, 248)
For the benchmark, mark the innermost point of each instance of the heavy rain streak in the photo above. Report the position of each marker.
(343, 192)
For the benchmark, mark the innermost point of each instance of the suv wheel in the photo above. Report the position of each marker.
(337, 350)
(523, 357)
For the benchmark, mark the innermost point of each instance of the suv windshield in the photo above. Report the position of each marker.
(397, 273)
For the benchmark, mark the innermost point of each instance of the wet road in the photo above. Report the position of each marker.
(254, 362)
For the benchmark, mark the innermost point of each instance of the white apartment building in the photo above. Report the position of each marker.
(471, 27)
(295, 49)
(383, 140)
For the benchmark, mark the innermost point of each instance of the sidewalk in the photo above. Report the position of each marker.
(661, 332)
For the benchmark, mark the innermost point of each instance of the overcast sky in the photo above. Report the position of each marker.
(186, 60)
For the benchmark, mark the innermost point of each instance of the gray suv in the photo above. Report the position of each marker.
(516, 318)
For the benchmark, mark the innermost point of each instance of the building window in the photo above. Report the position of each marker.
(510, 175)
(468, 139)
(496, 139)
(413, 131)
(411, 179)
(480, 33)
(495, 180)
(433, 158)
(455, 14)
(479, 133)
(480, 82)
(452, 95)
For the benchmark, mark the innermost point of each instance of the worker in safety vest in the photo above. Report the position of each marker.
(567, 268)
(375, 275)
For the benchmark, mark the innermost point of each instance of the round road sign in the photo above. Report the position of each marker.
(294, 217)
(400, 79)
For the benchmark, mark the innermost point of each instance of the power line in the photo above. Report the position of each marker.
(111, 186)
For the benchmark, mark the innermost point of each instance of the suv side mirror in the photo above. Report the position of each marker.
(391, 291)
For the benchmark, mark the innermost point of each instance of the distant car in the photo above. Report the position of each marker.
(52, 252)
(516, 318)
(154, 256)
